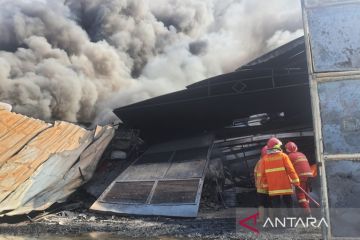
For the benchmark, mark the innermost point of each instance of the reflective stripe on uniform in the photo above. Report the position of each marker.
(270, 159)
(275, 169)
(281, 191)
(300, 160)
(262, 191)
(306, 174)
(296, 180)
(302, 200)
(259, 175)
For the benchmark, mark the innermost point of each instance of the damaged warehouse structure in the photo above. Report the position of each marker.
(174, 152)
(209, 134)
(228, 118)
(225, 119)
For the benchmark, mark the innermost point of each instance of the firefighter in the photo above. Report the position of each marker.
(303, 169)
(280, 175)
(261, 187)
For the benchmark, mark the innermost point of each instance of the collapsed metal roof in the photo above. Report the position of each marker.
(42, 163)
(275, 84)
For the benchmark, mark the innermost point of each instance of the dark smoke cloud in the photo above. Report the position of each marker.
(75, 59)
(198, 47)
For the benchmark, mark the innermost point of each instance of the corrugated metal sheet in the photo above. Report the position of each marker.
(59, 138)
(42, 163)
(15, 131)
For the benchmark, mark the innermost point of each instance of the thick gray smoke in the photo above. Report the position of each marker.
(73, 59)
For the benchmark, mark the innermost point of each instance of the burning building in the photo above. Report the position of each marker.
(228, 117)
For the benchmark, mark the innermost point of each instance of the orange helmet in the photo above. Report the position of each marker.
(291, 147)
(274, 143)
(264, 151)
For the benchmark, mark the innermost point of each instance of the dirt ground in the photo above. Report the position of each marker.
(214, 221)
(220, 224)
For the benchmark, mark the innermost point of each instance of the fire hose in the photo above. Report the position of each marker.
(308, 196)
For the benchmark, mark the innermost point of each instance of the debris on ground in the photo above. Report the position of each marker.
(208, 225)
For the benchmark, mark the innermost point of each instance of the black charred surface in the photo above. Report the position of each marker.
(274, 83)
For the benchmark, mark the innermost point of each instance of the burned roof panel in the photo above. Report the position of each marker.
(289, 55)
